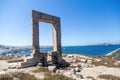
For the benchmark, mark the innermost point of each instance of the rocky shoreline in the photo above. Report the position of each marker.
(113, 52)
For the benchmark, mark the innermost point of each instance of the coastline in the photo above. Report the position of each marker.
(112, 52)
(85, 50)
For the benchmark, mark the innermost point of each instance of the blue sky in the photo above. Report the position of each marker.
(83, 22)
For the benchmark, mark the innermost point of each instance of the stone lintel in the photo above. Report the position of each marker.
(43, 17)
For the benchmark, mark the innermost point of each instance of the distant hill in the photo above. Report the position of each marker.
(104, 44)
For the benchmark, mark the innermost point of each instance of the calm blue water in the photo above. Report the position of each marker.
(87, 50)
(91, 50)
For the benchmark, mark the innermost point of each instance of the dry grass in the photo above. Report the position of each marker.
(77, 61)
(24, 76)
(72, 66)
(109, 77)
(6, 58)
(18, 75)
(57, 77)
(90, 77)
(107, 61)
(6, 77)
(43, 69)
(97, 57)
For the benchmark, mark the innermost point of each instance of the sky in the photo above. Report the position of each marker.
(83, 22)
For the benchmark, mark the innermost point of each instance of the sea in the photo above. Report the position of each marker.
(96, 50)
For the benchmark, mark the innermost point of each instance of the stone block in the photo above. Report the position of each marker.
(52, 68)
(89, 61)
(14, 65)
(39, 64)
(28, 64)
(77, 70)
(83, 60)
(79, 76)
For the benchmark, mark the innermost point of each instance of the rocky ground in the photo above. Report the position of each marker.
(81, 68)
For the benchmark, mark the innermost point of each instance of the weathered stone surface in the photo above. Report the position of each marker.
(57, 71)
(79, 65)
(69, 56)
(52, 68)
(116, 63)
(77, 70)
(89, 61)
(16, 79)
(53, 57)
(79, 76)
(39, 64)
(2, 72)
(68, 73)
(55, 21)
(14, 65)
(83, 60)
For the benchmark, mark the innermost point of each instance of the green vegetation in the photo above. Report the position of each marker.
(57, 77)
(109, 77)
(6, 77)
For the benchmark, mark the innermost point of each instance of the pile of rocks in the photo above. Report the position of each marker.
(73, 73)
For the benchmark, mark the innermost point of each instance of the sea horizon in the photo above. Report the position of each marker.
(91, 50)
